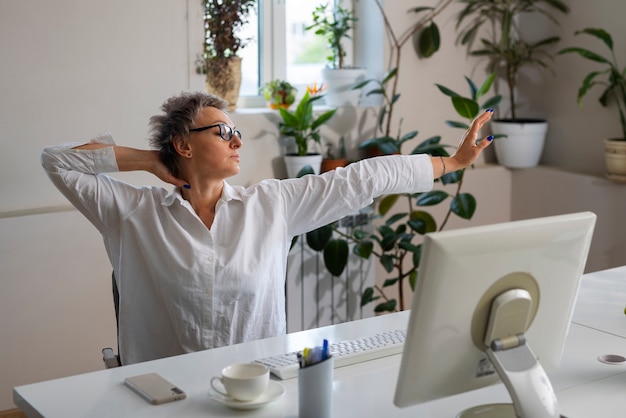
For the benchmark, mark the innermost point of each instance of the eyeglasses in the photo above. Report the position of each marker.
(226, 132)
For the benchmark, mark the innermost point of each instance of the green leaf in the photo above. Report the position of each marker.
(395, 218)
(447, 91)
(428, 41)
(368, 296)
(319, 238)
(389, 306)
(422, 222)
(307, 169)
(464, 205)
(585, 53)
(472, 87)
(413, 279)
(390, 282)
(599, 33)
(434, 197)
(323, 118)
(336, 256)
(389, 240)
(363, 249)
(387, 203)
(465, 107)
(492, 103)
(453, 124)
(484, 88)
(387, 262)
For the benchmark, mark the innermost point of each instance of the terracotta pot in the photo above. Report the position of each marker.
(328, 164)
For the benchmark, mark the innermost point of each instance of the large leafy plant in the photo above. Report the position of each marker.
(612, 79)
(502, 44)
(223, 19)
(396, 242)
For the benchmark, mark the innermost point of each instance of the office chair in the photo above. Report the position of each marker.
(108, 356)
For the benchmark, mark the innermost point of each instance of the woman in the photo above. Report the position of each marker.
(204, 266)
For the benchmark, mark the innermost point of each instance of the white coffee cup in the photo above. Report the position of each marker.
(242, 381)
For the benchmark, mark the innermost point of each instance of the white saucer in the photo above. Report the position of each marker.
(274, 391)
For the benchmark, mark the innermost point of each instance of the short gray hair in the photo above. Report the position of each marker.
(179, 114)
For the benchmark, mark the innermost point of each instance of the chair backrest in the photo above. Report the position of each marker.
(111, 359)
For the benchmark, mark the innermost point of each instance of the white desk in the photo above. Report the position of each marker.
(585, 387)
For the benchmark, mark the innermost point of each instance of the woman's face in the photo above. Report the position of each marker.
(214, 150)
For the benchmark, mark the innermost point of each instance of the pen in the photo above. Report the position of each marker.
(325, 349)
(306, 356)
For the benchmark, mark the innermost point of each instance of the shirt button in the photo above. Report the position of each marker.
(209, 259)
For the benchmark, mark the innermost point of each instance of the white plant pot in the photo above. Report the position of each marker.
(523, 144)
(295, 163)
(615, 157)
(339, 83)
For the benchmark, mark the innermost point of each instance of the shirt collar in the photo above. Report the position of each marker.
(228, 193)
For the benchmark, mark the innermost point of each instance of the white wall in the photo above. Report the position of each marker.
(73, 68)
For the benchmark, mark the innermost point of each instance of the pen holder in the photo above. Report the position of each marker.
(315, 390)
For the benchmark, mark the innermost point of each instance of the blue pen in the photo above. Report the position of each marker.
(325, 349)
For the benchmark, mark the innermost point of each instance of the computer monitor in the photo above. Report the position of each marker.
(532, 270)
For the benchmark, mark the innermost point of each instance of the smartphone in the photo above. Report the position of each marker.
(154, 388)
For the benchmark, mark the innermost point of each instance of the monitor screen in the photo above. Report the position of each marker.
(460, 274)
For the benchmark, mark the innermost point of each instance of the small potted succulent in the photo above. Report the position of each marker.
(279, 93)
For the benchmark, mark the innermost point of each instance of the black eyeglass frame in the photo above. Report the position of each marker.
(223, 129)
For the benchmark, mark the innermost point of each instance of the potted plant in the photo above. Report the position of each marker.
(222, 20)
(336, 24)
(302, 127)
(279, 93)
(613, 81)
(507, 52)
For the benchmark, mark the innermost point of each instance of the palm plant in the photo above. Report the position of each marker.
(614, 81)
(504, 48)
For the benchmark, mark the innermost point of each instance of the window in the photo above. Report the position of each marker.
(280, 47)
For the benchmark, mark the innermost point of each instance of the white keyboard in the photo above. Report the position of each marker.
(285, 366)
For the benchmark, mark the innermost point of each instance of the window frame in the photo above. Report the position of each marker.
(272, 50)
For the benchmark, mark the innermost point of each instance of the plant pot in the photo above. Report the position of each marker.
(615, 157)
(331, 164)
(279, 106)
(523, 144)
(339, 83)
(294, 163)
(223, 78)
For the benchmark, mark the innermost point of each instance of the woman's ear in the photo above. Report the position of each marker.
(181, 145)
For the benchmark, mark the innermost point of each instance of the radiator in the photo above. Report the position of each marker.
(315, 298)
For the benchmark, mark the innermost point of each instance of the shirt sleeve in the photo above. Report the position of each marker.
(79, 176)
(314, 201)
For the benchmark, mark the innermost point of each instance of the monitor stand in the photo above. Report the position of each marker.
(517, 366)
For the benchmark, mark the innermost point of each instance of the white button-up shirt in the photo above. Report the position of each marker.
(184, 287)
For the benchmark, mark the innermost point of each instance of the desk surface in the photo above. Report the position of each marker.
(584, 386)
